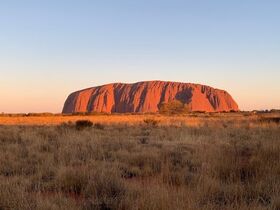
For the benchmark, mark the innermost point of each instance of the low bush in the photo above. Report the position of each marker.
(174, 107)
(82, 124)
(151, 122)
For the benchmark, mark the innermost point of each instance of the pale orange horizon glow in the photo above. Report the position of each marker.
(51, 99)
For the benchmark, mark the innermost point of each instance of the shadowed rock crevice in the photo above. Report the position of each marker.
(147, 96)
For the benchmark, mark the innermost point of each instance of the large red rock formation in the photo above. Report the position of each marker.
(147, 96)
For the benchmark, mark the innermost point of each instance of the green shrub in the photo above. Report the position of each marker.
(174, 107)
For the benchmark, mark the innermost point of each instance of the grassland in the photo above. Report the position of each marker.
(191, 119)
(194, 161)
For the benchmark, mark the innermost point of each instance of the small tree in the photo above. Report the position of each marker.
(187, 107)
(174, 107)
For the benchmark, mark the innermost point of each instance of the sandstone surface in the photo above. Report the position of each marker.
(143, 97)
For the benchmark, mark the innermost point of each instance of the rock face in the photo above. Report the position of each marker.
(147, 96)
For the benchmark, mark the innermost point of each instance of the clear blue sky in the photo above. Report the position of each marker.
(49, 48)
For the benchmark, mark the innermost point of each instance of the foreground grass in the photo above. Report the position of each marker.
(217, 164)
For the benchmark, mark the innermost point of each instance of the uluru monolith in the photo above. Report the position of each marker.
(143, 97)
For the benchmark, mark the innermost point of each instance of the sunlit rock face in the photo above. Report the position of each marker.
(143, 97)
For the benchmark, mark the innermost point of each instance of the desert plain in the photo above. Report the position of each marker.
(140, 161)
